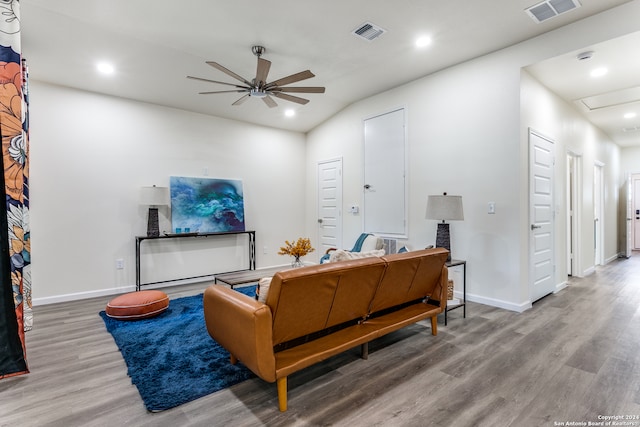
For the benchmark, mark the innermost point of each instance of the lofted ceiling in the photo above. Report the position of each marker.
(154, 45)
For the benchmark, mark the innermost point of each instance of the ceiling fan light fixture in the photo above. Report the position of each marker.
(258, 93)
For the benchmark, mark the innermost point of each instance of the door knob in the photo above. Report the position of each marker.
(533, 226)
(319, 220)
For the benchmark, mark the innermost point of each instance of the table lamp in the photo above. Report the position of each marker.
(444, 208)
(154, 197)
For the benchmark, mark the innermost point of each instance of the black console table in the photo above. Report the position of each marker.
(139, 239)
(463, 304)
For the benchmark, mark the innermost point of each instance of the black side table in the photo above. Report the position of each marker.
(463, 304)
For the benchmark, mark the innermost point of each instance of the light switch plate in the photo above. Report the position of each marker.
(492, 207)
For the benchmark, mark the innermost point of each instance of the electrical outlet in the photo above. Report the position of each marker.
(265, 250)
(119, 264)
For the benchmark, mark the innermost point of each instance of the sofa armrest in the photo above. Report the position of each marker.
(241, 325)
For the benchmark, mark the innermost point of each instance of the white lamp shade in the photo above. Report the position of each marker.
(154, 196)
(444, 208)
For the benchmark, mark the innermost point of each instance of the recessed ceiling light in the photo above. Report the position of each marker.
(290, 113)
(629, 115)
(423, 41)
(599, 72)
(105, 68)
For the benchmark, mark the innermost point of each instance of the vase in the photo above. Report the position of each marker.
(296, 262)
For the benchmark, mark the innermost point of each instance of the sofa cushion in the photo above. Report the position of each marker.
(309, 299)
(342, 255)
(409, 276)
(137, 305)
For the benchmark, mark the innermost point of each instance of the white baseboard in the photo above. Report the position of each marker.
(129, 288)
(611, 259)
(560, 286)
(496, 302)
(589, 271)
(82, 295)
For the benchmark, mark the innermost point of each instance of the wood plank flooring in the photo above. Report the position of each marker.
(574, 356)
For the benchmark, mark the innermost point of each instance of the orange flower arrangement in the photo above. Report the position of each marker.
(300, 248)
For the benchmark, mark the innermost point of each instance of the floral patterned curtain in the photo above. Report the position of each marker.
(15, 261)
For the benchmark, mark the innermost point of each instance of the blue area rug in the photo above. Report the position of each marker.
(171, 358)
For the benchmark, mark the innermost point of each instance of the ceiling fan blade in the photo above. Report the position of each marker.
(262, 71)
(221, 91)
(214, 81)
(241, 100)
(290, 97)
(315, 89)
(228, 72)
(269, 101)
(302, 75)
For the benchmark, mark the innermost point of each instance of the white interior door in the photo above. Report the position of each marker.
(385, 192)
(570, 202)
(329, 205)
(598, 210)
(636, 211)
(541, 214)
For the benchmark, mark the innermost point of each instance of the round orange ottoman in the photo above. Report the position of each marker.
(137, 305)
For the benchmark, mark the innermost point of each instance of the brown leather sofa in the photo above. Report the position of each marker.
(315, 312)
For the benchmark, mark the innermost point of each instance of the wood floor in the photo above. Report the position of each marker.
(573, 357)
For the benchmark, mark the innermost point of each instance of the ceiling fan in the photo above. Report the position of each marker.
(258, 87)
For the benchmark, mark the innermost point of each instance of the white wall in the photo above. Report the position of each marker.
(466, 137)
(453, 147)
(630, 161)
(90, 154)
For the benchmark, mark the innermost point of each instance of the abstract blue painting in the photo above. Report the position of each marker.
(206, 205)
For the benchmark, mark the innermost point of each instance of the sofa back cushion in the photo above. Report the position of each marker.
(309, 299)
(409, 276)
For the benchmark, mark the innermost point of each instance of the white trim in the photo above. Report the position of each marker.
(131, 288)
(589, 271)
(82, 295)
(613, 258)
(561, 286)
(519, 308)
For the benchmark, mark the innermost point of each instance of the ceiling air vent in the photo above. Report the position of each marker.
(551, 8)
(631, 129)
(369, 31)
